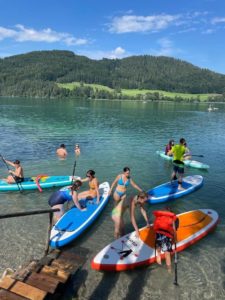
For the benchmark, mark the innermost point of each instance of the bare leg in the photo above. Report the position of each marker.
(116, 227)
(158, 256)
(168, 261)
(86, 194)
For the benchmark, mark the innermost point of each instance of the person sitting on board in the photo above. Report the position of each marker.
(164, 225)
(169, 146)
(120, 208)
(178, 152)
(77, 149)
(122, 181)
(57, 199)
(61, 151)
(17, 174)
(93, 192)
(187, 154)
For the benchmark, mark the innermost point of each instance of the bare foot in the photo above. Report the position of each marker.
(169, 269)
(180, 188)
(158, 259)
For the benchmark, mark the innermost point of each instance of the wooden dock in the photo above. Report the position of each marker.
(43, 279)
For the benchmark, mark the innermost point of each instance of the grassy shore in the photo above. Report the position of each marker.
(135, 92)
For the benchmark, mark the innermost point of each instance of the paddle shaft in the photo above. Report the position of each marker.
(200, 155)
(20, 189)
(74, 167)
(175, 265)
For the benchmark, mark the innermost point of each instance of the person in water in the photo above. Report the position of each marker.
(60, 197)
(178, 152)
(61, 151)
(169, 146)
(122, 181)
(165, 225)
(93, 192)
(17, 174)
(77, 149)
(132, 204)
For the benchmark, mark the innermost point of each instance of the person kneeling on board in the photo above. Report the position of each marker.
(58, 199)
(165, 225)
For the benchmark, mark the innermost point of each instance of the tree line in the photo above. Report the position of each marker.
(36, 74)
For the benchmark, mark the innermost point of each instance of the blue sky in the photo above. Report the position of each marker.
(192, 30)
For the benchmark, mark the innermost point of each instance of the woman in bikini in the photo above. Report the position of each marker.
(122, 181)
(118, 212)
(93, 192)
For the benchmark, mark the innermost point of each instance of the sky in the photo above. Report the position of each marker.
(190, 30)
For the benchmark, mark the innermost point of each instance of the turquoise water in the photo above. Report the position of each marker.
(113, 135)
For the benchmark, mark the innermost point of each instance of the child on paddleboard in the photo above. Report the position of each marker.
(93, 192)
(165, 229)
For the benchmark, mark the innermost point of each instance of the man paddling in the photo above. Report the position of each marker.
(15, 176)
(178, 152)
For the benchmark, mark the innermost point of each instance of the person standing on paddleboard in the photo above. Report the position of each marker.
(165, 229)
(15, 176)
(125, 203)
(60, 197)
(94, 187)
(122, 181)
(178, 152)
(61, 151)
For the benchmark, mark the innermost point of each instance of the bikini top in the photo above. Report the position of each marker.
(120, 181)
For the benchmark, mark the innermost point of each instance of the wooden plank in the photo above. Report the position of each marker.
(6, 295)
(69, 256)
(6, 282)
(60, 275)
(43, 282)
(28, 291)
(65, 265)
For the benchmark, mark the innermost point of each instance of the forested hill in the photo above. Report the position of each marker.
(36, 74)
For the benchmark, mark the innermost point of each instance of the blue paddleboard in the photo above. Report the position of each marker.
(169, 191)
(30, 183)
(74, 221)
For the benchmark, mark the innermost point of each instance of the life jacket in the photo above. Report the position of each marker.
(163, 222)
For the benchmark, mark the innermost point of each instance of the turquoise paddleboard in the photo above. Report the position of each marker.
(74, 222)
(187, 163)
(31, 183)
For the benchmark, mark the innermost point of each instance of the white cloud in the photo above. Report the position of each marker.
(47, 35)
(132, 23)
(166, 47)
(118, 52)
(218, 20)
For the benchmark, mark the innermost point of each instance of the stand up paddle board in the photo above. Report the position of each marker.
(74, 221)
(169, 191)
(130, 252)
(32, 183)
(187, 162)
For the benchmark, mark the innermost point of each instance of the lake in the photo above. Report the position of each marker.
(112, 135)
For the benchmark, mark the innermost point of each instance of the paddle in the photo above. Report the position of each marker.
(74, 167)
(20, 189)
(197, 155)
(176, 225)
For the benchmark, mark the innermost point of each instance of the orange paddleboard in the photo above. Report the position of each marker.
(130, 252)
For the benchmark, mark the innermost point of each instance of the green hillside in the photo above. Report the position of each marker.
(38, 74)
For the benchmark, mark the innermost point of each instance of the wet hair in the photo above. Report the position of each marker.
(62, 146)
(182, 141)
(125, 169)
(91, 172)
(171, 142)
(17, 162)
(142, 195)
(76, 185)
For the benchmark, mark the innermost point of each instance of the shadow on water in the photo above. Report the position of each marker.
(106, 285)
(135, 288)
